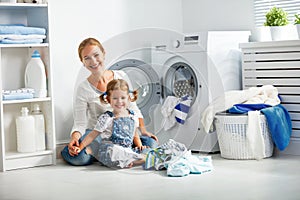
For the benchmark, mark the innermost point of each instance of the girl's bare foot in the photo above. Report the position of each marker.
(137, 162)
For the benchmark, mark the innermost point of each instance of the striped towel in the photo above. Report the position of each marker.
(182, 109)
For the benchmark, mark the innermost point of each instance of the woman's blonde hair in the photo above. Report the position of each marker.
(118, 84)
(89, 41)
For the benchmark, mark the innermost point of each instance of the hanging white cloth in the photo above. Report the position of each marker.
(254, 135)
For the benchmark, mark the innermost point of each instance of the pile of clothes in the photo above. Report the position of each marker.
(21, 34)
(177, 160)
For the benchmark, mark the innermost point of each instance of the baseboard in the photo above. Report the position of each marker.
(59, 147)
(293, 148)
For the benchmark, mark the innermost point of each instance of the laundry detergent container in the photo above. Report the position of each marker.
(231, 132)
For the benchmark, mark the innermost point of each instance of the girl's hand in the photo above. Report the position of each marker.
(77, 150)
(146, 133)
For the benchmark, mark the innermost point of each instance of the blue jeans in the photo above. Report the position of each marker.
(83, 158)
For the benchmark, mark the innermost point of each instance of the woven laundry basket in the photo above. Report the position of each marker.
(231, 131)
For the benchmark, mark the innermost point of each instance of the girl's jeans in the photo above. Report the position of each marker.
(86, 159)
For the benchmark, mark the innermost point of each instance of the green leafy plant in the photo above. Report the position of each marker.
(276, 17)
(297, 19)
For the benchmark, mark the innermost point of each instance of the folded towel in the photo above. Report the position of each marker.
(29, 41)
(17, 96)
(21, 30)
(21, 37)
(280, 125)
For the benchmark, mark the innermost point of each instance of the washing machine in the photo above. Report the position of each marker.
(162, 63)
(187, 71)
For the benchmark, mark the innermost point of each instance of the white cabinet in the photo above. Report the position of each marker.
(276, 63)
(13, 60)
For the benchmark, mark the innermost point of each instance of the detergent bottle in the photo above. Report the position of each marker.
(39, 125)
(25, 132)
(35, 75)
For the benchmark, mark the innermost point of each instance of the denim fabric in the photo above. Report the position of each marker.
(104, 156)
(82, 158)
(123, 131)
(148, 141)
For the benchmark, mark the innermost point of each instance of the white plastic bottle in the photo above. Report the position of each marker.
(40, 134)
(25, 132)
(35, 75)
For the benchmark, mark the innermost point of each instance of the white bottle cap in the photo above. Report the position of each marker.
(24, 110)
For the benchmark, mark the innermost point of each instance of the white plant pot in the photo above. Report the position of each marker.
(260, 34)
(287, 32)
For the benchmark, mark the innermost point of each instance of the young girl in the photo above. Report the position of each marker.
(117, 129)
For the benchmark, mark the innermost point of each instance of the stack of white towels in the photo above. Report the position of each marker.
(21, 34)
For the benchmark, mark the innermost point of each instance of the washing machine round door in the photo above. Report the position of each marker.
(145, 80)
(181, 80)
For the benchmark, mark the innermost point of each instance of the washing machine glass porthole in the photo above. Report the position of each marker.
(181, 81)
(140, 81)
(145, 80)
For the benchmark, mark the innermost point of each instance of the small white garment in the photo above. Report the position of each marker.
(254, 135)
(123, 155)
(167, 112)
(266, 94)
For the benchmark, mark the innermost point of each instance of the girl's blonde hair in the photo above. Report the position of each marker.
(87, 42)
(118, 84)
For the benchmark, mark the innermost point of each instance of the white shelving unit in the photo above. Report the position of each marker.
(276, 63)
(13, 60)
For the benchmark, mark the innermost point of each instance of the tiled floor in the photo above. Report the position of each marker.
(273, 178)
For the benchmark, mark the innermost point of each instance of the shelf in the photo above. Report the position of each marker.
(16, 155)
(26, 100)
(21, 5)
(23, 45)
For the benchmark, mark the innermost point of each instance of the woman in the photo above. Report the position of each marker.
(87, 107)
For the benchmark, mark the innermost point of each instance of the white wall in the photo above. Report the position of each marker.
(205, 15)
(72, 21)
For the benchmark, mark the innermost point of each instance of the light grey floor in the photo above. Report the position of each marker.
(273, 178)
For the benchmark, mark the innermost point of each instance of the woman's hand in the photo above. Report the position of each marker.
(74, 144)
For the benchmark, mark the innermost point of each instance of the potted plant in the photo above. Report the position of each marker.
(297, 24)
(277, 20)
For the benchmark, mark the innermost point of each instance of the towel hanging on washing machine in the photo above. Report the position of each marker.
(175, 110)
(182, 109)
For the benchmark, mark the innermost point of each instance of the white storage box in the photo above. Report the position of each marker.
(231, 131)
